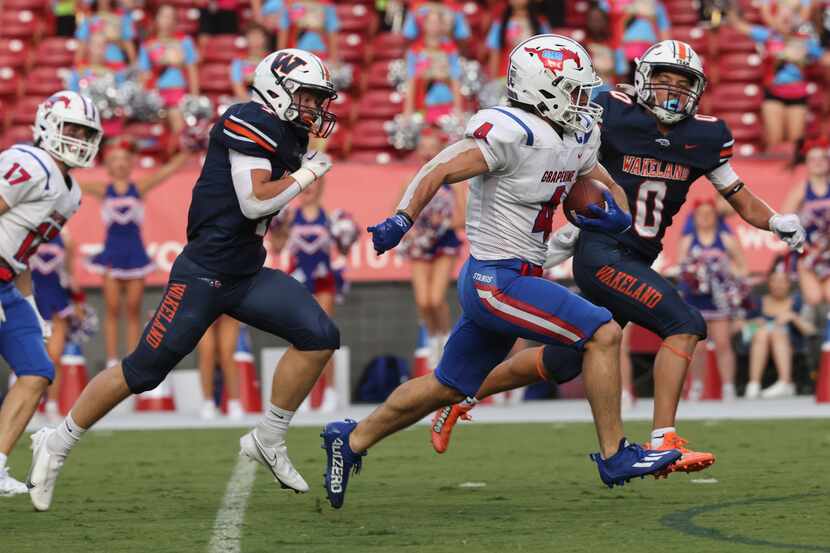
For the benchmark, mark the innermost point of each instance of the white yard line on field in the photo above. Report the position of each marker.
(228, 525)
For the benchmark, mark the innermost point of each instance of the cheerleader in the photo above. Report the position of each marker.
(57, 300)
(712, 259)
(812, 200)
(124, 262)
(432, 246)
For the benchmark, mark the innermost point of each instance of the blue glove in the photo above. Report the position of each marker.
(612, 219)
(388, 234)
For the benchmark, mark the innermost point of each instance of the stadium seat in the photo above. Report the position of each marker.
(337, 142)
(477, 18)
(13, 52)
(576, 13)
(187, 21)
(32, 5)
(150, 138)
(56, 52)
(370, 135)
(356, 18)
(740, 97)
(11, 82)
(20, 24)
(343, 108)
(683, 14)
(380, 104)
(573, 32)
(21, 134)
(746, 127)
(223, 48)
(215, 78)
(23, 112)
(730, 40)
(378, 76)
(44, 81)
(694, 36)
(741, 67)
(388, 46)
(352, 48)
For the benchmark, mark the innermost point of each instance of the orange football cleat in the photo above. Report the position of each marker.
(444, 421)
(690, 461)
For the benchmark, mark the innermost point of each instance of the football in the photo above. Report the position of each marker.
(583, 193)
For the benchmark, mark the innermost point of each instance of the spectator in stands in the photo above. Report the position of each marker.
(267, 14)
(96, 67)
(219, 343)
(781, 324)
(711, 259)
(811, 199)
(117, 26)
(453, 21)
(609, 62)
(636, 24)
(520, 19)
(310, 25)
(769, 9)
(65, 19)
(787, 52)
(432, 246)
(242, 69)
(168, 61)
(433, 68)
(124, 262)
(218, 17)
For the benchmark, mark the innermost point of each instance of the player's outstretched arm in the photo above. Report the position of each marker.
(457, 162)
(757, 213)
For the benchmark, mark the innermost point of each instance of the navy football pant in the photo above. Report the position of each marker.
(195, 297)
(611, 275)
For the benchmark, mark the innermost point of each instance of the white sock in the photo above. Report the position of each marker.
(66, 436)
(657, 435)
(2, 461)
(272, 427)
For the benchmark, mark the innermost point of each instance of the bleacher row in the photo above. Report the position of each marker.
(32, 62)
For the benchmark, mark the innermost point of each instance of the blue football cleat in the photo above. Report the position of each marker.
(630, 461)
(340, 460)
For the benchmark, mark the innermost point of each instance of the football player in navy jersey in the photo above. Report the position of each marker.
(256, 163)
(654, 145)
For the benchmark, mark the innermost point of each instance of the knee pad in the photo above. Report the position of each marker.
(561, 363)
(144, 369)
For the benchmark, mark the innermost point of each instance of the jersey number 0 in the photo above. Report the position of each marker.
(649, 216)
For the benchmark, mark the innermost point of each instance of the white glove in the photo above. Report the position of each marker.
(45, 327)
(788, 228)
(561, 245)
(315, 165)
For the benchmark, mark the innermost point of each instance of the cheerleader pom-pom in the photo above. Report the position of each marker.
(344, 230)
(405, 130)
(198, 117)
(81, 329)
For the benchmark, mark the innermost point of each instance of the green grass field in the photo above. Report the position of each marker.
(159, 491)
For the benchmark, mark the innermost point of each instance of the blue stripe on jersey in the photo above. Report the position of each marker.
(45, 170)
(520, 122)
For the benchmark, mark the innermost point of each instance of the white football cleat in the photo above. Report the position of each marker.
(274, 459)
(9, 486)
(44, 470)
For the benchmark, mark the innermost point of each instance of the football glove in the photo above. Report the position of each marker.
(387, 234)
(788, 228)
(612, 219)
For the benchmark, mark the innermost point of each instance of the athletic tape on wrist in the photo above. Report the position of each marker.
(304, 177)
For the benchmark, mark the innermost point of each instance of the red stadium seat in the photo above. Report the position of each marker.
(32, 5)
(223, 48)
(694, 36)
(378, 77)
(23, 112)
(369, 135)
(746, 68)
(575, 13)
(683, 14)
(356, 18)
(388, 46)
(343, 108)
(187, 21)
(215, 78)
(56, 52)
(746, 127)
(21, 134)
(730, 40)
(740, 97)
(477, 18)
(336, 143)
(44, 81)
(19, 24)
(352, 48)
(11, 82)
(13, 52)
(573, 32)
(380, 104)
(150, 138)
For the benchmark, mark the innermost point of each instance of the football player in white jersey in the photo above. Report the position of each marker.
(37, 197)
(521, 160)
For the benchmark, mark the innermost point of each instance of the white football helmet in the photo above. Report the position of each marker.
(282, 74)
(676, 57)
(50, 132)
(555, 75)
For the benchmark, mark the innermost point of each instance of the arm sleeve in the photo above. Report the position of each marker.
(251, 207)
(499, 138)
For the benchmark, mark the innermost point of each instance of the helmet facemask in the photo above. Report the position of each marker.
(318, 121)
(680, 102)
(569, 104)
(73, 151)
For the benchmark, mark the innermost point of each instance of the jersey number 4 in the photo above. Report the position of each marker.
(16, 175)
(649, 210)
(544, 220)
